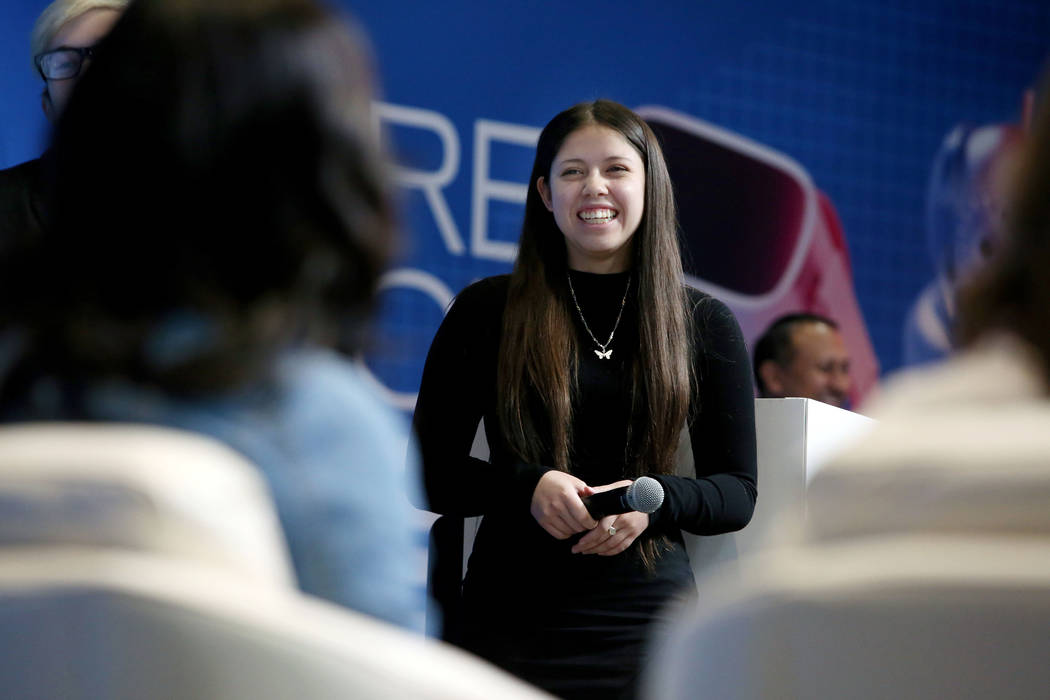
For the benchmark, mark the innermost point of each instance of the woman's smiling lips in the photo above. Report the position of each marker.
(597, 215)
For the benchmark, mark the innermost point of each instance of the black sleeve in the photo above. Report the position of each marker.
(722, 496)
(458, 383)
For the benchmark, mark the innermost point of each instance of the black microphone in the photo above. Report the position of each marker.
(645, 494)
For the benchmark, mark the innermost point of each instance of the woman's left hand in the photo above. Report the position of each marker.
(613, 534)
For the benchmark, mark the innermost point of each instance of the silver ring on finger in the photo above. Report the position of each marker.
(611, 531)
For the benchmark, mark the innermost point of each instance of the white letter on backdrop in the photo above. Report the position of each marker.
(430, 182)
(485, 189)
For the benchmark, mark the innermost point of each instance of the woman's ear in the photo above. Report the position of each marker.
(545, 192)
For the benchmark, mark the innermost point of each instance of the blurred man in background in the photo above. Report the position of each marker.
(62, 42)
(803, 355)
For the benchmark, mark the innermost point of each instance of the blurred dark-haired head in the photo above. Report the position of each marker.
(218, 195)
(1012, 293)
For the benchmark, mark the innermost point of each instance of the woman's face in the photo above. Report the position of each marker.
(596, 192)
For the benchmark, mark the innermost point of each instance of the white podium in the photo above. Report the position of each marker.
(796, 437)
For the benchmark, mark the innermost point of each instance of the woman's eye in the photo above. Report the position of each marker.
(618, 168)
(571, 171)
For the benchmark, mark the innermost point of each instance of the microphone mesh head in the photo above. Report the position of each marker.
(645, 494)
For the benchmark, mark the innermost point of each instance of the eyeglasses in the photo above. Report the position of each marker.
(62, 63)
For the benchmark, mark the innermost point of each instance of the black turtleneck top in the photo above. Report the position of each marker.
(458, 389)
(519, 577)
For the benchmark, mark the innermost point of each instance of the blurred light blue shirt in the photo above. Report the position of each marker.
(334, 456)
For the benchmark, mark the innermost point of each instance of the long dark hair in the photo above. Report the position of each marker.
(538, 327)
(1013, 292)
(218, 195)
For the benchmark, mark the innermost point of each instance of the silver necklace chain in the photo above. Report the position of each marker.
(603, 353)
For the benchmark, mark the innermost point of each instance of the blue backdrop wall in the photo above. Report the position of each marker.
(861, 94)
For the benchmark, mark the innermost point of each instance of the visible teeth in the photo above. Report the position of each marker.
(598, 215)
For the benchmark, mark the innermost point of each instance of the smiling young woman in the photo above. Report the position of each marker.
(586, 364)
(596, 192)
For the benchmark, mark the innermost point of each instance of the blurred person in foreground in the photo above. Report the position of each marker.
(961, 446)
(62, 43)
(957, 443)
(220, 218)
(803, 355)
(920, 569)
(1003, 367)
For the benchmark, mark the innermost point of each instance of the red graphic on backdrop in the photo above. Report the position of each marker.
(758, 234)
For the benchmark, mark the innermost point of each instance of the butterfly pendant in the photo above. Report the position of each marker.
(603, 355)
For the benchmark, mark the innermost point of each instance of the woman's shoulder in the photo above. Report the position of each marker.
(317, 384)
(483, 299)
(716, 331)
(707, 310)
(487, 291)
(331, 409)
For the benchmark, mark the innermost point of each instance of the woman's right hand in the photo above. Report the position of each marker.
(557, 505)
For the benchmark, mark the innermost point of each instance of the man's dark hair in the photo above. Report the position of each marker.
(775, 344)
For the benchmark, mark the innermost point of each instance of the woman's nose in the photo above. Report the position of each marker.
(595, 184)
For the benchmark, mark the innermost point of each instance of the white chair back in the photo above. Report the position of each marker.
(139, 488)
(114, 625)
(899, 617)
(141, 562)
